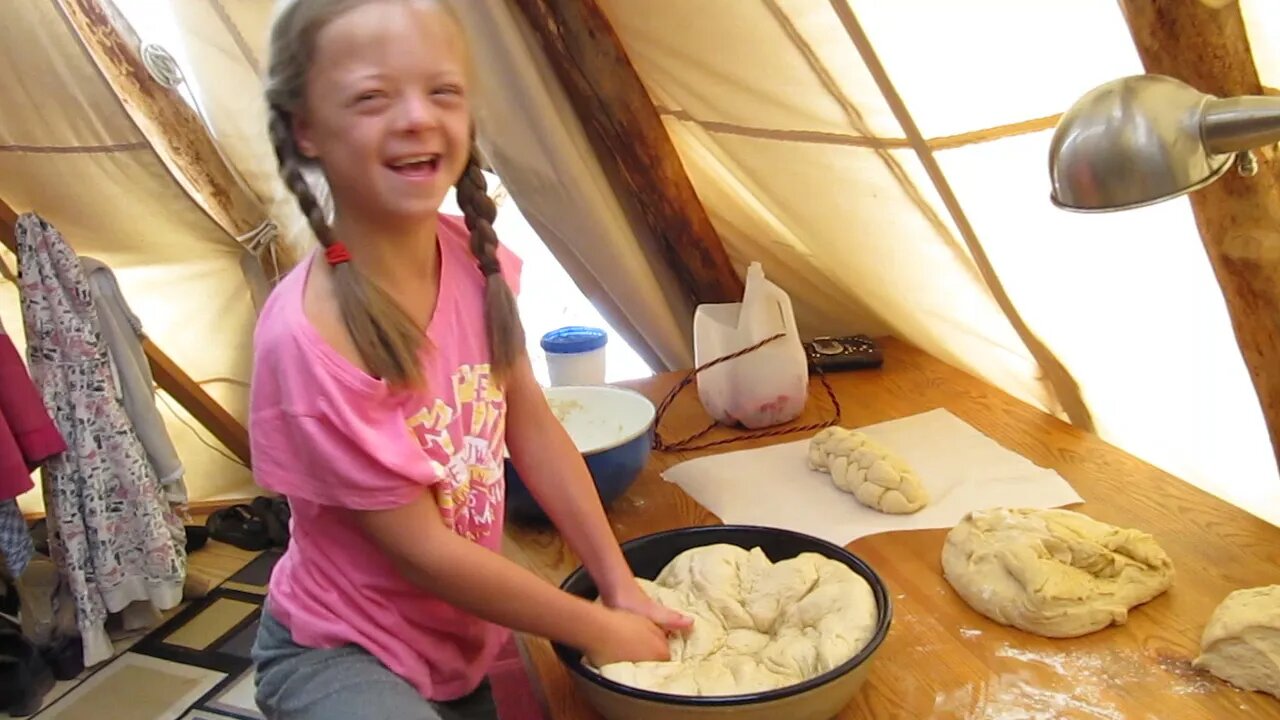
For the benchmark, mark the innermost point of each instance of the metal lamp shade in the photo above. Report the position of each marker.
(1132, 142)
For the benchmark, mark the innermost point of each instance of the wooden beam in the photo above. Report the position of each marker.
(207, 411)
(174, 130)
(1238, 217)
(8, 227)
(632, 144)
(171, 378)
(8, 223)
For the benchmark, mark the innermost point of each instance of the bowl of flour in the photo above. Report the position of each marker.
(613, 429)
(785, 625)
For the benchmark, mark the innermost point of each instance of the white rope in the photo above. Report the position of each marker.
(264, 239)
(260, 238)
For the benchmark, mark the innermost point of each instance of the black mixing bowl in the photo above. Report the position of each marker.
(818, 698)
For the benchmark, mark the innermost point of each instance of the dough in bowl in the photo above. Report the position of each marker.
(868, 470)
(1056, 573)
(757, 625)
(1241, 642)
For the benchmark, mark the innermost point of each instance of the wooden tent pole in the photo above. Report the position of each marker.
(171, 378)
(1238, 217)
(191, 396)
(174, 130)
(632, 143)
(8, 226)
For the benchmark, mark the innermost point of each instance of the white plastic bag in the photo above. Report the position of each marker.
(766, 387)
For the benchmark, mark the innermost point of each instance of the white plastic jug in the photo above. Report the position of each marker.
(766, 387)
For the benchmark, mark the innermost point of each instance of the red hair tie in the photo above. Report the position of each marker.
(337, 254)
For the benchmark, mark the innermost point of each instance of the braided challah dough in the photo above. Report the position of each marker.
(868, 470)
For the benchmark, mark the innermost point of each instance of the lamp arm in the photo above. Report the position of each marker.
(1240, 123)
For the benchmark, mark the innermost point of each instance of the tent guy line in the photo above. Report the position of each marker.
(820, 137)
(77, 149)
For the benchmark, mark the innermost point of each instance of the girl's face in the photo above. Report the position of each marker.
(386, 109)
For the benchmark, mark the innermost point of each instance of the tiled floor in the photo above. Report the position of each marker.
(63, 688)
(209, 566)
(132, 687)
(199, 657)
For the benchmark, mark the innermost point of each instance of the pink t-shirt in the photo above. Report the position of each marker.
(333, 439)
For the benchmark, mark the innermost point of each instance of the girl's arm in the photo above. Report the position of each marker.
(490, 586)
(557, 477)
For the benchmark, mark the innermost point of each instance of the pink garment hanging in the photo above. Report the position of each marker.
(28, 436)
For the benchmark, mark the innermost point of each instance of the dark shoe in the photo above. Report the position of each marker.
(275, 519)
(282, 510)
(24, 677)
(241, 526)
(9, 601)
(65, 658)
(197, 537)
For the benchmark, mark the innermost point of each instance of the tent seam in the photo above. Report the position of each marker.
(1056, 374)
(873, 142)
(76, 149)
(909, 187)
(236, 36)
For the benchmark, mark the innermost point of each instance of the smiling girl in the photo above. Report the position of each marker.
(389, 377)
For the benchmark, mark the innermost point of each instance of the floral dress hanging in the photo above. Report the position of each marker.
(111, 531)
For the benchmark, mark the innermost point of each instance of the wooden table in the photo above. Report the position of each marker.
(941, 659)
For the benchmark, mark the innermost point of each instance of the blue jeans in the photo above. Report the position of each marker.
(346, 683)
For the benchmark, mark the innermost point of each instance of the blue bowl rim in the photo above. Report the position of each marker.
(884, 619)
(644, 429)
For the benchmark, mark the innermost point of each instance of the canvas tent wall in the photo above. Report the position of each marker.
(71, 151)
(903, 191)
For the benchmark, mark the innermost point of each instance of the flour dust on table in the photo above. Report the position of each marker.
(1056, 573)
(1241, 641)
(757, 625)
(867, 469)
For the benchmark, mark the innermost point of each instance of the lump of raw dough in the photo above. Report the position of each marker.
(1241, 642)
(867, 469)
(757, 625)
(1056, 573)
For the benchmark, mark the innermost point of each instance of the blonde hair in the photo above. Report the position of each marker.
(386, 338)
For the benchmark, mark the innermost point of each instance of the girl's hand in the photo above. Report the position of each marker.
(628, 596)
(628, 637)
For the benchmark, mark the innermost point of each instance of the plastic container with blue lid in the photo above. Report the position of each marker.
(576, 355)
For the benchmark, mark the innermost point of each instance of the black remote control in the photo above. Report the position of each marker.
(855, 352)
